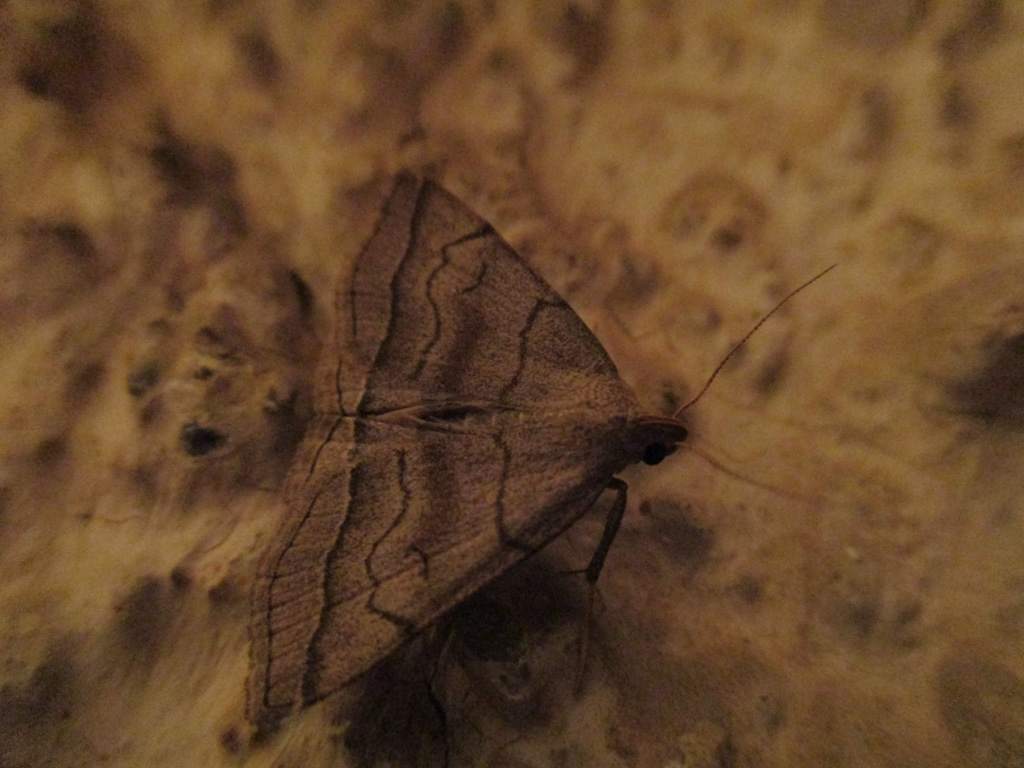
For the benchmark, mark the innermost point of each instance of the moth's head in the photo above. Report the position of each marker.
(657, 437)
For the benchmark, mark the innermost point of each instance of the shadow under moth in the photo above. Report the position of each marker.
(464, 417)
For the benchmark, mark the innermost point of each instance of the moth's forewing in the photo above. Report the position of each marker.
(399, 504)
(287, 595)
(439, 306)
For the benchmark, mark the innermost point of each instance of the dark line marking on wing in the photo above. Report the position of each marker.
(273, 577)
(446, 261)
(312, 660)
(484, 230)
(290, 625)
(506, 538)
(478, 281)
(328, 439)
(436, 310)
(353, 316)
(395, 522)
(524, 339)
(378, 226)
(337, 388)
(338, 392)
(424, 561)
(401, 622)
(410, 249)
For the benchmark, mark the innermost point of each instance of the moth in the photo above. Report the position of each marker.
(464, 417)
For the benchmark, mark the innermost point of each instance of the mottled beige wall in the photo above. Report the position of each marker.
(833, 577)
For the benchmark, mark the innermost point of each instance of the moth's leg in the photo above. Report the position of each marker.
(611, 528)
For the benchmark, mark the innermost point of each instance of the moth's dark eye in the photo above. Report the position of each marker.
(655, 453)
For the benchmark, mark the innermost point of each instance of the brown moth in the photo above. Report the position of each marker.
(465, 416)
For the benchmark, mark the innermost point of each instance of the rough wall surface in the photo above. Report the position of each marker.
(832, 577)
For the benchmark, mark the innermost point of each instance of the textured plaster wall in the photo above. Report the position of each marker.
(833, 576)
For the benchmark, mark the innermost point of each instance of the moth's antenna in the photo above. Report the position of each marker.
(739, 476)
(750, 333)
